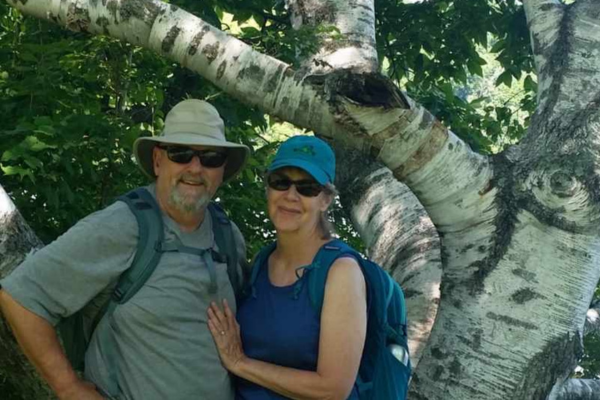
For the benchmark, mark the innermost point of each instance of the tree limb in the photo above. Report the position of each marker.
(364, 110)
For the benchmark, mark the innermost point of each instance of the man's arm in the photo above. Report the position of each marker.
(38, 340)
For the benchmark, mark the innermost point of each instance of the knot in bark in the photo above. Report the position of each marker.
(563, 185)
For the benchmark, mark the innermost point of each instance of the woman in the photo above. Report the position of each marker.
(289, 351)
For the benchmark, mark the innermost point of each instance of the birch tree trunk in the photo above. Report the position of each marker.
(398, 235)
(519, 232)
(18, 377)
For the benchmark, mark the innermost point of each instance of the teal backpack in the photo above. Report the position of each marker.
(385, 367)
(76, 330)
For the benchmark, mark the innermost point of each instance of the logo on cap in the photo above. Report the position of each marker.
(306, 150)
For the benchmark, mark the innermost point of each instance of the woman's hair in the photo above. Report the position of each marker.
(325, 226)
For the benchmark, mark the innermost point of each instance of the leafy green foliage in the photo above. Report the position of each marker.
(438, 53)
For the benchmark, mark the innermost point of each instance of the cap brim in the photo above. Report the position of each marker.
(309, 167)
(236, 160)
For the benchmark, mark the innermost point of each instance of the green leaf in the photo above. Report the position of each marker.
(13, 170)
(504, 78)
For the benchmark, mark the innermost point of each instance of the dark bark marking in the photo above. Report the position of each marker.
(369, 89)
(438, 371)
(438, 354)
(505, 221)
(526, 275)
(169, 40)
(427, 121)
(370, 9)
(455, 368)
(375, 209)
(477, 339)
(558, 60)
(547, 7)
(211, 51)
(104, 23)
(367, 21)
(78, 19)
(524, 295)
(556, 360)
(193, 49)
(113, 8)
(528, 202)
(487, 188)
(273, 82)
(512, 321)
(221, 70)
(303, 108)
(143, 10)
(252, 72)
(408, 293)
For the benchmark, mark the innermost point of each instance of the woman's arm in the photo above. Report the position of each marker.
(341, 342)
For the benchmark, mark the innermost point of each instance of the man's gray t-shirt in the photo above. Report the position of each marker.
(162, 346)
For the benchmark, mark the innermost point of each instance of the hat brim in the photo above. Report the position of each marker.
(236, 159)
(319, 175)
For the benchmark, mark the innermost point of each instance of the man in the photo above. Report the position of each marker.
(160, 346)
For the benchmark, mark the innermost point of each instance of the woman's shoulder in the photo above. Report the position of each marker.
(346, 269)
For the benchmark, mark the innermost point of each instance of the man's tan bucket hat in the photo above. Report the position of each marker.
(192, 122)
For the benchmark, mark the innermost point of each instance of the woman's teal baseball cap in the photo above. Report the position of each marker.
(309, 153)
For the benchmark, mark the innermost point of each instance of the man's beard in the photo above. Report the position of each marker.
(190, 204)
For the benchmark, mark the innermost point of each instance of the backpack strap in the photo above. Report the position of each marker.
(227, 245)
(258, 262)
(148, 253)
(151, 234)
(324, 259)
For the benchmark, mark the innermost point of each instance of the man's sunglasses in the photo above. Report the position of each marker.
(183, 155)
(306, 187)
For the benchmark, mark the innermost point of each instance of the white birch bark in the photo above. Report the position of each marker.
(351, 45)
(520, 240)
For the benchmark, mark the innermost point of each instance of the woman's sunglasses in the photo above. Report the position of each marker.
(184, 154)
(306, 187)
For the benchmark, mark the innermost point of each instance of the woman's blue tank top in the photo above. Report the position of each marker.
(279, 326)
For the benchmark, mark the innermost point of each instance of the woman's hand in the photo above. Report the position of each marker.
(226, 333)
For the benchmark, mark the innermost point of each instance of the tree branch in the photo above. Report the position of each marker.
(366, 110)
